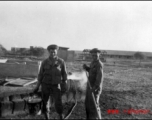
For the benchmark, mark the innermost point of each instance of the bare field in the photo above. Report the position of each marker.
(125, 87)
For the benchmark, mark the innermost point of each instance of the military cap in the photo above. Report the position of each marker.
(52, 47)
(95, 50)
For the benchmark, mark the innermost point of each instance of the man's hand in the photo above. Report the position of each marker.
(35, 90)
(63, 87)
(95, 89)
(85, 66)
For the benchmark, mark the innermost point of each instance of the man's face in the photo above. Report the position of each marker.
(95, 56)
(53, 53)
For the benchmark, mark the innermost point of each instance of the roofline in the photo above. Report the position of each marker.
(63, 47)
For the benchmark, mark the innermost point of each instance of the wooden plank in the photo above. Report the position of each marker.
(7, 91)
(31, 82)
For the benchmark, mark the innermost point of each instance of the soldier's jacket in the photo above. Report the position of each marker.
(52, 71)
(96, 74)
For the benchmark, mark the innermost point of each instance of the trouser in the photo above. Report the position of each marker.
(89, 104)
(55, 91)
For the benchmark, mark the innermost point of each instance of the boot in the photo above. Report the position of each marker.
(61, 116)
(47, 116)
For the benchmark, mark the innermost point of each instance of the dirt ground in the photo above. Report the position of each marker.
(126, 89)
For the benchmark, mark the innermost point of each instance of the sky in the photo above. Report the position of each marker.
(78, 25)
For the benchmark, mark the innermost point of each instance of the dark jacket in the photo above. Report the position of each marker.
(52, 71)
(95, 73)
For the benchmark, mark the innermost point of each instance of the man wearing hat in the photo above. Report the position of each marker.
(52, 77)
(95, 78)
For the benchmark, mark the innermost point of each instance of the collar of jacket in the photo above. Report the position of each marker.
(95, 61)
(51, 61)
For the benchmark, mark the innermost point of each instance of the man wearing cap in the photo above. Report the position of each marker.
(52, 77)
(96, 80)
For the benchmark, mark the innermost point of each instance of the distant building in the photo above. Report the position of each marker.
(31, 47)
(63, 52)
(116, 54)
(15, 49)
(125, 54)
(119, 54)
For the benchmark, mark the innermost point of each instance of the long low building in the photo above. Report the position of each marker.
(125, 54)
(83, 55)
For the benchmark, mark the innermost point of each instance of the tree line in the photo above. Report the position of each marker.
(34, 51)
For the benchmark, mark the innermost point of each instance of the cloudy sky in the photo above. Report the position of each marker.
(109, 25)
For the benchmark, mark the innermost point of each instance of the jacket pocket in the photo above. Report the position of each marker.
(47, 79)
(47, 70)
(56, 80)
(58, 70)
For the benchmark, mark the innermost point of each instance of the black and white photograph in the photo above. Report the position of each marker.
(75, 60)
